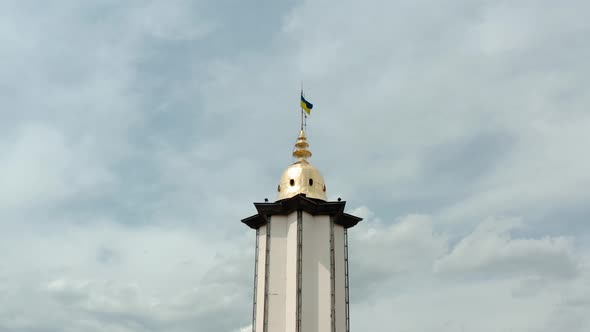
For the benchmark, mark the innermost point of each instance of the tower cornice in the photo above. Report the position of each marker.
(301, 202)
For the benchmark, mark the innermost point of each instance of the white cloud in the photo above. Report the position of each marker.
(491, 252)
(159, 280)
(33, 167)
(403, 271)
(245, 329)
(408, 245)
(570, 312)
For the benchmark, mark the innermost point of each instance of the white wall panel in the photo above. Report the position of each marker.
(291, 274)
(316, 300)
(260, 278)
(277, 274)
(339, 278)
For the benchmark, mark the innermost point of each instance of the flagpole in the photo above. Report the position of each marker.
(301, 117)
(301, 105)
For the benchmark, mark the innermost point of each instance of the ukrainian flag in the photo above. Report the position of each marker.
(307, 106)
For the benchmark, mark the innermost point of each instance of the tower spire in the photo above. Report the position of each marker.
(301, 151)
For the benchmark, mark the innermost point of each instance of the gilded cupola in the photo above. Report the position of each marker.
(301, 177)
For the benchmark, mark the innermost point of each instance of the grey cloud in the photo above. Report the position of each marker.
(493, 272)
(570, 313)
(490, 252)
(530, 287)
(105, 255)
(381, 253)
(164, 279)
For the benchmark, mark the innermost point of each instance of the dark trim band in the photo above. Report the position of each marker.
(300, 202)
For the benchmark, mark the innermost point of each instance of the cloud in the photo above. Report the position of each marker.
(569, 313)
(33, 166)
(135, 135)
(491, 252)
(407, 267)
(176, 21)
(381, 253)
(157, 282)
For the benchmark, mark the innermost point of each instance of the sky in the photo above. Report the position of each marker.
(135, 135)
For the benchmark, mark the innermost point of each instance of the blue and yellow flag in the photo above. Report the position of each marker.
(307, 106)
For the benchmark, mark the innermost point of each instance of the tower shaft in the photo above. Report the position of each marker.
(301, 267)
(301, 276)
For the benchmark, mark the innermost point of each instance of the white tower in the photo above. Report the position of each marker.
(301, 266)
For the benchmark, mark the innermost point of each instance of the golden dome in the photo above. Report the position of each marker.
(301, 177)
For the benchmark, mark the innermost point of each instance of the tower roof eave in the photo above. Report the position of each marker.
(300, 202)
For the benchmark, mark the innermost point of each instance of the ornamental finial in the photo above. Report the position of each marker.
(301, 152)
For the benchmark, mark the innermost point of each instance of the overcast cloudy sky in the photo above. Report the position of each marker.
(134, 136)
